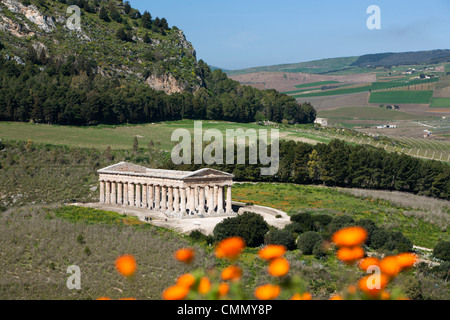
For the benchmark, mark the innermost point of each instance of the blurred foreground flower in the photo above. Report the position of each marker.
(185, 255)
(350, 237)
(126, 265)
(230, 248)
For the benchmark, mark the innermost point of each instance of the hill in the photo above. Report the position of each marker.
(118, 66)
(352, 64)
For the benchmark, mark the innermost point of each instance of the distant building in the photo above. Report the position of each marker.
(384, 126)
(322, 121)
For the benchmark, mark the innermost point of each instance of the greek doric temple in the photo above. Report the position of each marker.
(176, 193)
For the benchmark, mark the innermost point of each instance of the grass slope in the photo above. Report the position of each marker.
(294, 198)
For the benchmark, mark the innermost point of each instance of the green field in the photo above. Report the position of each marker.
(413, 97)
(335, 92)
(440, 103)
(294, 198)
(367, 113)
(117, 137)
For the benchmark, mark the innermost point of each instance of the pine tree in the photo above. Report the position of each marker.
(147, 38)
(146, 20)
(103, 14)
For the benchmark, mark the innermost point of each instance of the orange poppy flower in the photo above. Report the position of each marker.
(336, 297)
(365, 263)
(185, 255)
(103, 298)
(350, 255)
(272, 251)
(233, 273)
(127, 299)
(176, 292)
(406, 260)
(390, 266)
(267, 292)
(126, 265)
(278, 267)
(305, 296)
(351, 289)
(350, 237)
(186, 280)
(224, 288)
(385, 295)
(204, 285)
(369, 286)
(230, 248)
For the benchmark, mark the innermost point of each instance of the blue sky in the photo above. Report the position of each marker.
(235, 34)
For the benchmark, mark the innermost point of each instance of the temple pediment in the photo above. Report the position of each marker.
(125, 168)
(209, 173)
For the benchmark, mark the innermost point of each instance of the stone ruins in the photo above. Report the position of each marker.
(181, 194)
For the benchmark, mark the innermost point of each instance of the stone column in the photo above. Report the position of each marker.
(216, 192)
(125, 194)
(108, 192)
(119, 193)
(220, 200)
(131, 194)
(176, 200)
(113, 193)
(229, 208)
(138, 195)
(157, 197)
(144, 196)
(150, 197)
(210, 200)
(201, 201)
(163, 198)
(102, 191)
(196, 195)
(191, 200)
(170, 199)
(183, 201)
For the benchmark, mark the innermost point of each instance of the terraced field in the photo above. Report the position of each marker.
(399, 97)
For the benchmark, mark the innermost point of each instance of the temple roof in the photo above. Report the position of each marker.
(125, 168)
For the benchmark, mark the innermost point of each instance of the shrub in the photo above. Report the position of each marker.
(379, 238)
(282, 237)
(307, 241)
(249, 226)
(321, 221)
(340, 222)
(319, 251)
(304, 219)
(398, 242)
(197, 235)
(293, 227)
(370, 226)
(442, 250)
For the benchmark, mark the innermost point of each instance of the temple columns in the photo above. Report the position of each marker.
(102, 191)
(229, 207)
(183, 201)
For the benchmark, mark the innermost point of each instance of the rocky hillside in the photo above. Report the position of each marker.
(121, 42)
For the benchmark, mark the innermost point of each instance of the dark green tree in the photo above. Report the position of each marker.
(307, 241)
(249, 226)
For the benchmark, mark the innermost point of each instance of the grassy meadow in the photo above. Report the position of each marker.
(295, 198)
(440, 103)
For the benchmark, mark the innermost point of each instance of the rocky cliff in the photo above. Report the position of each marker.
(150, 52)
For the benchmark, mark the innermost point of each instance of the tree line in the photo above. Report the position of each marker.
(70, 91)
(343, 165)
